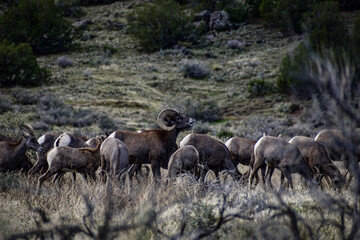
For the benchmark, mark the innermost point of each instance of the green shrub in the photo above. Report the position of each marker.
(293, 72)
(5, 104)
(285, 14)
(327, 27)
(224, 134)
(253, 7)
(70, 8)
(194, 69)
(328, 34)
(39, 23)
(18, 66)
(95, 2)
(160, 25)
(9, 2)
(9, 123)
(260, 87)
(237, 11)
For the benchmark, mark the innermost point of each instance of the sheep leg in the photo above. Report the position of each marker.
(42, 178)
(155, 167)
(58, 177)
(103, 169)
(269, 176)
(203, 170)
(282, 178)
(289, 178)
(263, 170)
(38, 167)
(253, 173)
(237, 175)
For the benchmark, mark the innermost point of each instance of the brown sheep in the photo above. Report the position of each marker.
(341, 147)
(242, 152)
(114, 157)
(184, 159)
(213, 154)
(66, 159)
(318, 159)
(278, 153)
(155, 146)
(12, 153)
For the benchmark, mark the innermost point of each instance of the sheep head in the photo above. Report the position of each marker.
(169, 119)
(31, 141)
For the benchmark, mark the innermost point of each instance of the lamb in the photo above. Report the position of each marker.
(93, 142)
(278, 153)
(155, 146)
(318, 159)
(50, 140)
(83, 160)
(184, 159)
(12, 153)
(114, 157)
(213, 154)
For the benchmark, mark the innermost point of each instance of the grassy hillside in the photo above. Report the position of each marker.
(111, 84)
(111, 77)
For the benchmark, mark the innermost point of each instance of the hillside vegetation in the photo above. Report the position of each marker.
(111, 77)
(263, 73)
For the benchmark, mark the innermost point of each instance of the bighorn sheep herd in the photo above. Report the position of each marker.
(124, 152)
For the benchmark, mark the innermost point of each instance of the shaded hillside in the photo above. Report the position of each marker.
(110, 83)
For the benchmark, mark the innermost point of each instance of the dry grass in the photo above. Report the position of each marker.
(182, 209)
(131, 87)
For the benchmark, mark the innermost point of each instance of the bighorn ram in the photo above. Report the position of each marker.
(213, 154)
(184, 159)
(47, 141)
(340, 147)
(278, 153)
(83, 160)
(114, 157)
(155, 146)
(318, 159)
(12, 153)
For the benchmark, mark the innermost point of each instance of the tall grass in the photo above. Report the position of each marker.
(181, 209)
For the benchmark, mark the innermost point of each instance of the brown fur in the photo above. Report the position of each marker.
(213, 154)
(318, 159)
(154, 146)
(278, 153)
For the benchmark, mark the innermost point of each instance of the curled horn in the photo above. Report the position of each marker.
(27, 127)
(166, 113)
